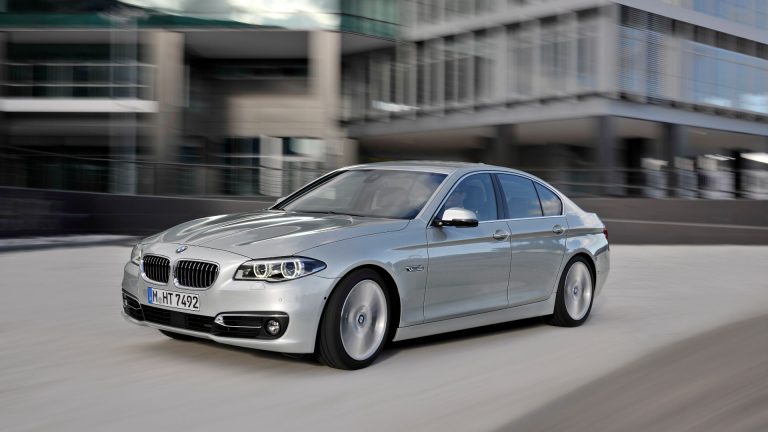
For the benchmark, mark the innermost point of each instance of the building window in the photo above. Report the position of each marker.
(725, 78)
(484, 64)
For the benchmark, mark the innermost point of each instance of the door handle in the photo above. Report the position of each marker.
(557, 229)
(500, 235)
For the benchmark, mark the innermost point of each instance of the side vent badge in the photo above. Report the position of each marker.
(416, 268)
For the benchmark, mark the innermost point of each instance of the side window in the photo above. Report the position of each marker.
(474, 193)
(550, 202)
(522, 201)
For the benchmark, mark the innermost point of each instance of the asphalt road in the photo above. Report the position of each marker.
(68, 361)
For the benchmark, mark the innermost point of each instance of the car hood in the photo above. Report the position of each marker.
(272, 233)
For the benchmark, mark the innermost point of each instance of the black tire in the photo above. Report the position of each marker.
(330, 348)
(561, 317)
(178, 336)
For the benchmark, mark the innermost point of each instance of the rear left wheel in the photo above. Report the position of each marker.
(355, 322)
(574, 294)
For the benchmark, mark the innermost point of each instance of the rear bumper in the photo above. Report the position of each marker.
(603, 267)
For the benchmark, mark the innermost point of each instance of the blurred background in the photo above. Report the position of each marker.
(120, 119)
(642, 110)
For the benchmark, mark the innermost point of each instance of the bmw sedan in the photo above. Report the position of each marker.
(369, 254)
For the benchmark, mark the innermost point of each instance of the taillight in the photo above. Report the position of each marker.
(605, 233)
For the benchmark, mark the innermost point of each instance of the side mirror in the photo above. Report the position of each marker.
(457, 217)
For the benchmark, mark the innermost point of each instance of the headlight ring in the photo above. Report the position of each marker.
(278, 269)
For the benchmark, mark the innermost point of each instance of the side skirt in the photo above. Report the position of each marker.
(542, 308)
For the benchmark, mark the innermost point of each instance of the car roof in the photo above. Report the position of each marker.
(443, 167)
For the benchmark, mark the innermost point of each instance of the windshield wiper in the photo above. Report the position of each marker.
(333, 212)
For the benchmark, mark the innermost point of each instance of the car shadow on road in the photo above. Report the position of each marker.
(458, 336)
(233, 356)
(208, 351)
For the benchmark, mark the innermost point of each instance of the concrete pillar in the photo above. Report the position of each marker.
(536, 40)
(3, 38)
(605, 152)
(499, 89)
(5, 168)
(502, 148)
(165, 50)
(608, 50)
(438, 99)
(570, 23)
(3, 130)
(325, 81)
(674, 143)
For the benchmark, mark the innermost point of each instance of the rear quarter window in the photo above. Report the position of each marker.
(551, 204)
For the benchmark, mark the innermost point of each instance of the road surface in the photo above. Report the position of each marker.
(68, 361)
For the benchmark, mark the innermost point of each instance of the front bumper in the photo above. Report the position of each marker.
(298, 304)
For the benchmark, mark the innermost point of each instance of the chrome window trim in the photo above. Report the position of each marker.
(144, 276)
(465, 175)
(455, 184)
(562, 204)
(176, 280)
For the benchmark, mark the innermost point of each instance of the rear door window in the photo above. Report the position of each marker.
(520, 196)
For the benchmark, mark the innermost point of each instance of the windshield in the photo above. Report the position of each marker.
(371, 193)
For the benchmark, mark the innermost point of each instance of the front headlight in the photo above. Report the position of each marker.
(136, 254)
(278, 269)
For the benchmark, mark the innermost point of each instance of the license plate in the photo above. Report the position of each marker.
(173, 299)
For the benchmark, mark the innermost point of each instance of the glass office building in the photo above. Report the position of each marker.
(648, 98)
(627, 97)
(133, 91)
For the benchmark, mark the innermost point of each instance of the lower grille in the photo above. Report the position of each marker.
(181, 320)
(251, 325)
(132, 307)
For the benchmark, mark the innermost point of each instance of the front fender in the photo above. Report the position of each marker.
(393, 252)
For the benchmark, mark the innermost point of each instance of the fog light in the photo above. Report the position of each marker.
(219, 320)
(273, 327)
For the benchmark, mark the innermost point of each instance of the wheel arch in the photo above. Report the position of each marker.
(590, 263)
(395, 307)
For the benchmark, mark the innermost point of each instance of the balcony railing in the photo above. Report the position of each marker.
(45, 170)
(131, 80)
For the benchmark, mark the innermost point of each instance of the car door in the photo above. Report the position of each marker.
(537, 237)
(468, 267)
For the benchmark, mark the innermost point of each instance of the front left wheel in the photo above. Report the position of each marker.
(355, 323)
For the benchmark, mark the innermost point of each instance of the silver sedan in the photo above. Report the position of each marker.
(369, 254)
